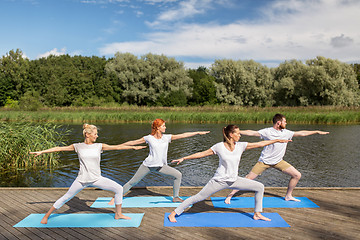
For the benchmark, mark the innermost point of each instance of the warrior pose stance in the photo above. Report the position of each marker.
(156, 161)
(272, 155)
(229, 152)
(89, 174)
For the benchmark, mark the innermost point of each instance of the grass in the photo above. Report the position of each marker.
(205, 114)
(18, 139)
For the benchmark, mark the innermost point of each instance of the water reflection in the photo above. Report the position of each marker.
(324, 160)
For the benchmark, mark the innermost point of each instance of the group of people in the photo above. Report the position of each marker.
(229, 151)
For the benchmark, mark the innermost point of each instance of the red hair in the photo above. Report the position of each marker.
(155, 125)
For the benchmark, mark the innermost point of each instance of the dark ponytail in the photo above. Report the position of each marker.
(227, 130)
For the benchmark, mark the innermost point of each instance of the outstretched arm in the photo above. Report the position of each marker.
(120, 147)
(265, 143)
(134, 142)
(250, 133)
(54, 149)
(206, 153)
(188, 134)
(305, 133)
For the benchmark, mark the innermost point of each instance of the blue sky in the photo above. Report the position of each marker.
(196, 32)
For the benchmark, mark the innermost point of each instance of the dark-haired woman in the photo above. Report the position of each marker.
(226, 176)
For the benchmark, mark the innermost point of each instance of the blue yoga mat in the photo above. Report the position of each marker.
(132, 202)
(268, 202)
(224, 220)
(81, 220)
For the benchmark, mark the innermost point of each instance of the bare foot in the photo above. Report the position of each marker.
(112, 201)
(177, 199)
(44, 220)
(228, 199)
(258, 216)
(291, 198)
(171, 217)
(121, 216)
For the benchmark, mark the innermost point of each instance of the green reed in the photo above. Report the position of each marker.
(18, 139)
(205, 114)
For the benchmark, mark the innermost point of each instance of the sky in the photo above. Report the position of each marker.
(195, 32)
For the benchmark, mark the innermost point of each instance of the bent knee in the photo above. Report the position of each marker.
(260, 187)
(119, 189)
(178, 175)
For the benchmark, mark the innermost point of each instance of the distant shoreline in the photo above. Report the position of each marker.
(195, 114)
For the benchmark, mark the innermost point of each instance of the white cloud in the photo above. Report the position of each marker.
(54, 52)
(139, 13)
(185, 9)
(341, 41)
(289, 30)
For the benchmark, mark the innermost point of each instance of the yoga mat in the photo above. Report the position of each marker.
(81, 220)
(224, 220)
(268, 202)
(132, 202)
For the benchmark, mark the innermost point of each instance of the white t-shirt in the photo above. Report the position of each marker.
(274, 153)
(89, 158)
(228, 161)
(158, 150)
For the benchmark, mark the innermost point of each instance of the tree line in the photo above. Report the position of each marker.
(157, 80)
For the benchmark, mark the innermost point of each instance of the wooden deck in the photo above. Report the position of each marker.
(337, 218)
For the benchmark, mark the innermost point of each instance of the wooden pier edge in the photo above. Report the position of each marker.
(337, 217)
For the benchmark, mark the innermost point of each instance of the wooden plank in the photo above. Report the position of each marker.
(337, 217)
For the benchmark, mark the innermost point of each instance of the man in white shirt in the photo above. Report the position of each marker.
(272, 155)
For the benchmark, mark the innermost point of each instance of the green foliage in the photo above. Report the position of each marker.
(204, 91)
(244, 83)
(13, 76)
(321, 81)
(175, 98)
(143, 81)
(356, 67)
(156, 80)
(18, 139)
(30, 101)
(65, 80)
(11, 104)
(193, 114)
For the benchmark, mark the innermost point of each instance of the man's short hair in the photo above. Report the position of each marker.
(278, 117)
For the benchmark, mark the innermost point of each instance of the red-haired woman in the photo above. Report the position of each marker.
(156, 161)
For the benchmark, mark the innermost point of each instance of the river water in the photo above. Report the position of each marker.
(324, 160)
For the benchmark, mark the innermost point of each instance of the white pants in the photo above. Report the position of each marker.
(164, 170)
(102, 182)
(214, 186)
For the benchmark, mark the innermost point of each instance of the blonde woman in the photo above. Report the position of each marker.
(156, 161)
(226, 176)
(89, 154)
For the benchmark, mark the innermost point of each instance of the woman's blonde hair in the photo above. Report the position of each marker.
(88, 128)
(156, 124)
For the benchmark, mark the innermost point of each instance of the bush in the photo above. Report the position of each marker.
(18, 139)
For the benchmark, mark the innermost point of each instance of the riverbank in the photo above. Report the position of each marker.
(336, 217)
(198, 114)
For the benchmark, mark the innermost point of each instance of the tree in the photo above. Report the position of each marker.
(30, 101)
(245, 83)
(356, 67)
(286, 82)
(13, 75)
(321, 81)
(334, 82)
(143, 81)
(204, 91)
